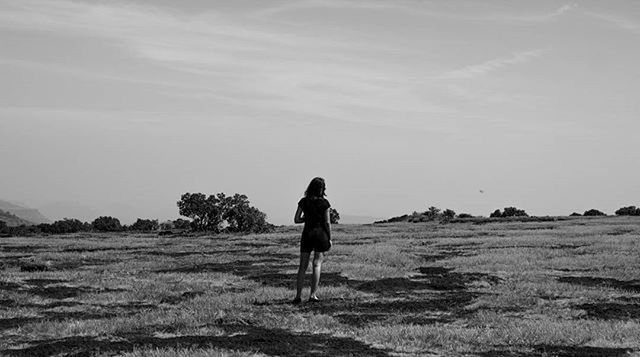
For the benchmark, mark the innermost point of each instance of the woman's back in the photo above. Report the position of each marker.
(314, 209)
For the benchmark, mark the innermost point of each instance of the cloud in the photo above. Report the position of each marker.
(235, 58)
(493, 65)
(618, 21)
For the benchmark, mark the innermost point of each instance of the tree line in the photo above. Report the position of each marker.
(216, 213)
(436, 214)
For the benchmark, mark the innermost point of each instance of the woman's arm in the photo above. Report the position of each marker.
(298, 217)
(327, 220)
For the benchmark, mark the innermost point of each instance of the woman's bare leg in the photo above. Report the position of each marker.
(317, 268)
(304, 264)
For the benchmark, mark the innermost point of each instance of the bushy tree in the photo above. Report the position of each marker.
(593, 212)
(181, 223)
(106, 224)
(432, 213)
(508, 212)
(67, 225)
(144, 225)
(465, 215)
(213, 212)
(575, 214)
(628, 211)
(514, 212)
(334, 216)
(448, 213)
(241, 216)
(166, 225)
(205, 212)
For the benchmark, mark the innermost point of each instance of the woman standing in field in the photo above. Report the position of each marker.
(313, 211)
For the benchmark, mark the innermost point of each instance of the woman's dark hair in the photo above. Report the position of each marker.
(316, 188)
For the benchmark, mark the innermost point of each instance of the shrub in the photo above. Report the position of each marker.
(514, 212)
(432, 213)
(67, 225)
(334, 216)
(182, 223)
(106, 224)
(593, 212)
(144, 225)
(465, 215)
(628, 211)
(166, 225)
(575, 214)
(509, 212)
(3, 227)
(448, 213)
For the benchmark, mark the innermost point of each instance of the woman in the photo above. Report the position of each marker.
(313, 211)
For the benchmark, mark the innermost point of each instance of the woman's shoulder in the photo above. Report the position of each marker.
(323, 202)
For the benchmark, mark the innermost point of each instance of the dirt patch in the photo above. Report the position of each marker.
(9, 286)
(430, 278)
(171, 254)
(7, 324)
(631, 285)
(176, 299)
(47, 289)
(424, 310)
(42, 282)
(560, 351)
(242, 338)
(611, 311)
(96, 249)
(22, 248)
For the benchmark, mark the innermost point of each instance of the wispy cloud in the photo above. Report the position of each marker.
(618, 21)
(248, 62)
(493, 65)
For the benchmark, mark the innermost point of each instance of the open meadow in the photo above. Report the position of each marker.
(569, 287)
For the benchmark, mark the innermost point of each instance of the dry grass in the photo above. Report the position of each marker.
(566, 287)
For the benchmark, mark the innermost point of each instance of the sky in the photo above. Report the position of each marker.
(119, 107)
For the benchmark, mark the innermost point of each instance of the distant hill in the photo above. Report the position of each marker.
(12, 220)
(29, 214)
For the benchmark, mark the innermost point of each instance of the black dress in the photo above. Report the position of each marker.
(316, 235)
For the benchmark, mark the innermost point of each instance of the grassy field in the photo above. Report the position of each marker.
(557, 288)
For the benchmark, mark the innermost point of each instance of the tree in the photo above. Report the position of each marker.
(205, 212)
(67, 225)
(144, 225)
(181, 223)
(106, 224)
(3, 227)
(593, 212)
(212, 213)
(465, 215)
(166, 225)
(334, 216)
(514, 212)
(575, 214)
(496, 214)
(449, 213)
(432, 213)
(241, 216)
(628, 211)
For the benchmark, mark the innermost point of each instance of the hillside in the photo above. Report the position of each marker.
(12, 220)
(28, 214)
